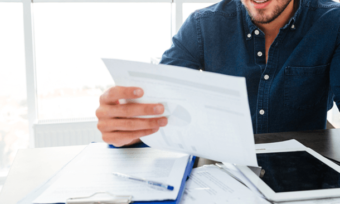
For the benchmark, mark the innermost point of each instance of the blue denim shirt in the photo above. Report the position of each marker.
(296, 87)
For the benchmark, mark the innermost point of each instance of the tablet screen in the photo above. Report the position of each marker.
(296, 171)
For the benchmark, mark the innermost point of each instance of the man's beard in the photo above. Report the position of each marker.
(265, 20)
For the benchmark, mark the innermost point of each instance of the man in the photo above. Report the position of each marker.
(288, 50)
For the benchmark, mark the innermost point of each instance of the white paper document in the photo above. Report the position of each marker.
(230, 168)
(91, 172)
(289, 144)
(211, 185)
(208, 113)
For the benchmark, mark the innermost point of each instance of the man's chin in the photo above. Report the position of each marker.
(265, 16)
(261, 19)
(260, 16)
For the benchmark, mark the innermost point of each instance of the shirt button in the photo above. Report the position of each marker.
(257, 32)
(293, 26)
(262, 112)
(259, 54)
(266, 77)
(249, 35)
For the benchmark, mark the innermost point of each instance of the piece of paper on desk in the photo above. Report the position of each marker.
(209, 184)
(91, 172)
(289, 144)
(230, 168)
(208, 113)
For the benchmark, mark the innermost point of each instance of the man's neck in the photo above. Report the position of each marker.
(273, 28)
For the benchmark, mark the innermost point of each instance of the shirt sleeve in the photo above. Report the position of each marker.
(185, 50)
(335, 74)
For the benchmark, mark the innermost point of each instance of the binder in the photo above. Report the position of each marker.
(111, 198)
(186, 175)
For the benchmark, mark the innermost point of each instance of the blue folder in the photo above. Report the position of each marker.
(35, 193)
(184, 179)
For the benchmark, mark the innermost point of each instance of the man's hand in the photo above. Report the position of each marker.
(115, 120)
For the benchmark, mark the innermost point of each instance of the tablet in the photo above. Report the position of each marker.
(295, 174)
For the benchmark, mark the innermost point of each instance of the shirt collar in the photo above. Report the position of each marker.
(251, 26)
(293, 20)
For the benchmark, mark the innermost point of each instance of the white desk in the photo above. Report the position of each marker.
(32, 167)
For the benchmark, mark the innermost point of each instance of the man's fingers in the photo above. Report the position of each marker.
(119, 139)
(133, 142)
(129, 110)
(112, 95)
(115, 122)
(110, 125)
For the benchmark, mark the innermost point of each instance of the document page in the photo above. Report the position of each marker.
(288, 144)
(231, 169)
(91, 172)
(211, 185)
(208, 113)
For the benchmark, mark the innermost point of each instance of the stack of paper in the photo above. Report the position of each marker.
(210, 184)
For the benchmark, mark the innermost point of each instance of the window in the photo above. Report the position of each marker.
(13, 109)
(71, 39)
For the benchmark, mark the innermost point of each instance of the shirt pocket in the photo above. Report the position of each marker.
(305, 87)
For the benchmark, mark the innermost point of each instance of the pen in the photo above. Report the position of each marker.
(152, 183)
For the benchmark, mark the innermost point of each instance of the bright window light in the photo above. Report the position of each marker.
(71, 39)
(189, 8)
(13, 108)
